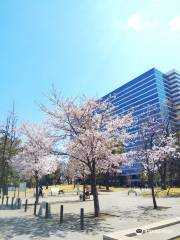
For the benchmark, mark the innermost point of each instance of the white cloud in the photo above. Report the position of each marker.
(175, 24)
(134, 22)
(137, 23)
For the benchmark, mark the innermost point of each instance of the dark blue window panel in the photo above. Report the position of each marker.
(144, 101)
(144, 104)
(134, 169)
(141, 108)
(144, 96)
(143, 120)
(138, 87)
(135, 80)
(174, 91)
(136, 113)
(135, 94)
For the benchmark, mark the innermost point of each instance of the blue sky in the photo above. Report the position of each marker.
(81, 46)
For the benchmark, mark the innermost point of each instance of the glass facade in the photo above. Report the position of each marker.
(173, 82)
(151, 88)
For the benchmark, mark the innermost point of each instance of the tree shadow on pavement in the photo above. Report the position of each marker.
(34, 227)
(141, 213)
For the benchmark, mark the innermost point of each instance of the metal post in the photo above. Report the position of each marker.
(19, 203)
(15, 192)
(46, 213)
(12, 202)
(2, 200)
(61, 214)
(35, 206)
(82, 218)
(7, 199)
(25, 208)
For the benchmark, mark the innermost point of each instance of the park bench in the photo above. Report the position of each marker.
(56, 191)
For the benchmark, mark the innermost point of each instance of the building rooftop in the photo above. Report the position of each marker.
(173, 71)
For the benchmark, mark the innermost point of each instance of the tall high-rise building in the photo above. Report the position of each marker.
(173, 82)
(151, 88)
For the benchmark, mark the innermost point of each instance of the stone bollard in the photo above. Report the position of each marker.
(17, 203)
(82, 218)
(61, 214)
(42, 208)
(45, 210)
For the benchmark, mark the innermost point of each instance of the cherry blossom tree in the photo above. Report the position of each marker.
(167, 128)
(117, 150)
(35, 159)
(79, 171)
(154, 145)
(66, 170)
(88, 128)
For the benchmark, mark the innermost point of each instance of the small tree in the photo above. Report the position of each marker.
(167, 129)
(154, 146)
(9, 147)
(67, 171)
(35, 159)
(89, 127)
(173, 171)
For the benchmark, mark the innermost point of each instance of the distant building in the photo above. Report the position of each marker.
(151, 88)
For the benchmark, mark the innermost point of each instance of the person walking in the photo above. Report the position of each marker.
(40, 191)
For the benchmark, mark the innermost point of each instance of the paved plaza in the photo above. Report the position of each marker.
(118, 211)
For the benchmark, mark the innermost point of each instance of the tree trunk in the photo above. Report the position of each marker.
(116, 179)
(168, 190)
(4, 181)
(151, 182)
(4, 178)
(5, 189)
(95, 193)
(91, 186)
(37, 193)
(84, 197)
(153, 197)
(178, 177)
(107, 180)
(95, 198)
(170, 181)
(164, 175)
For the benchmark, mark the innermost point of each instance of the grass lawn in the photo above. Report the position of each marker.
(69, 188)
(172, 192)
(65, 187)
